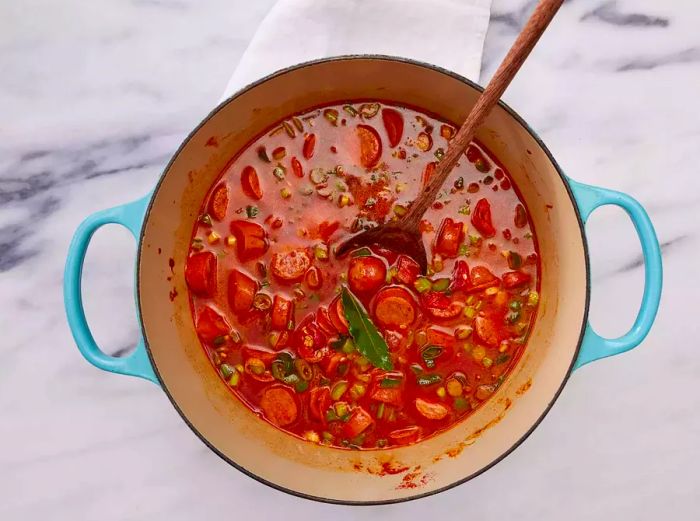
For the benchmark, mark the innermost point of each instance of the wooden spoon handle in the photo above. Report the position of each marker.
(538, 22)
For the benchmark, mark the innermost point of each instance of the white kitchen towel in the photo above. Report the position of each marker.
(448, 33)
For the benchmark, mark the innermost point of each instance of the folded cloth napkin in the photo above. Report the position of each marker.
(448, 33)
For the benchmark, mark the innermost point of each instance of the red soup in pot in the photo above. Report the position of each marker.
(364, 351)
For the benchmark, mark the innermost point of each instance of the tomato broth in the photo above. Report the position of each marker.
(364, 351)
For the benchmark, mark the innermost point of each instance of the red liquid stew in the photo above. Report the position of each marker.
(266, 287)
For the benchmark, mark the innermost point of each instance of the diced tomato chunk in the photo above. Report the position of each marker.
(407, 270)
(218, 204)
(309, 340)
(279, 406)
(370, 145)
(326, 229)
(200, 273)
(435, 299)
(481, 218)
(282, 313)
(359, 421)
(396, 341)
(431, 410)
(331, 362)
(211, 324)
(453, 309)
(251, 239)
(440, 305)
(241, 291)
(485, 328)
(514, 279)
(290, 266)
(460, 280)
(319, 402)
(394, 307)
(324, 321)
(337, 316)
(449, 237)
(392, 396)
(251, 183)
(440, 338)
(366, 274)
(482, 278)
(393, 123)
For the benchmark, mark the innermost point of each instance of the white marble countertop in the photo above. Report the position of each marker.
(95, 97)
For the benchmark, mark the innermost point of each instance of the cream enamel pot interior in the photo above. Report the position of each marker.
(170, 353)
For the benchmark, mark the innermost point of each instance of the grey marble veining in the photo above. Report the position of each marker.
(96, 96)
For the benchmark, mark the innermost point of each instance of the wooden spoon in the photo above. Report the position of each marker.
(404, 236)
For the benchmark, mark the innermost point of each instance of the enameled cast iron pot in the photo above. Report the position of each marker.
(169, 353)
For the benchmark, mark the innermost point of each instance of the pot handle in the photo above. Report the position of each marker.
(594, 347)
(130, 216)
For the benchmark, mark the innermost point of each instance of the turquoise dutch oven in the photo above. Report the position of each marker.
(169, 354)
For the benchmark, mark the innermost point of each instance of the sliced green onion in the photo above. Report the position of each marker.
(288, 129)
(422, 285)
(369, 110)
(428, 379)
(341, 409)
(348, 346)
(533, 298)
(502, 358)
(357, 391)
(431, 352)
(389, 383)
(512, 317)
(277, 370)
(303, 369)
(321, 252)
(461, 403)
(226, 370)
(278, 172)
(441, 285)
(339, 389)
(332, 116)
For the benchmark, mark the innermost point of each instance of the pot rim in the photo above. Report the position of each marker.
(511, 113)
